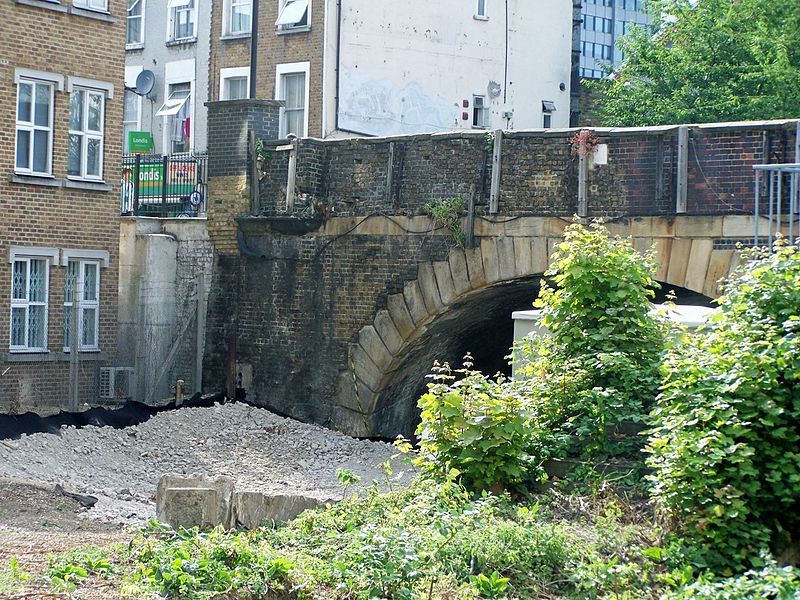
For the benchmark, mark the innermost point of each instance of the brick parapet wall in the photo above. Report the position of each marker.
(539, 172)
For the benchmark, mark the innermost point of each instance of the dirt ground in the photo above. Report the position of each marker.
(35, 522)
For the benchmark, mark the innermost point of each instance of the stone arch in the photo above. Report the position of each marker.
(690, 263)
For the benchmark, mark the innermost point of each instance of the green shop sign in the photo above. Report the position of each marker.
(140, 142)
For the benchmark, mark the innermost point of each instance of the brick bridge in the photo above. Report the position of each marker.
(340, 293)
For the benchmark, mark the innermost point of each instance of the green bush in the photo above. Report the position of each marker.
(599, 364)
(474, 428)
(770, 582)
(725, 450)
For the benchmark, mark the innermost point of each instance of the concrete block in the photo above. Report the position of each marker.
(506, 258)
(372, 343)
(444, 281)
(477, 276)
(697, 269)
(194, 501)
(678, 259)
(251, 509)
(459, 272)
(415, 302)
(696, 226)
(640, 227)
(401, 317)
(525, 227)
(352, 423)
(386, 328)
(539, 257)
(491, 259)
(743, 226)
(642, 244)
(427, 285)
(662, 247)
(662, 226)
(366, 370)
(354, 395)
(523, 257)
(553, 226)
(718, 268)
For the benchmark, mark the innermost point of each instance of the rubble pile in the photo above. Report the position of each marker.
(252, 446)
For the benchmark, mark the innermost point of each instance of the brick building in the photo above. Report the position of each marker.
(376, 68)
(61, 94)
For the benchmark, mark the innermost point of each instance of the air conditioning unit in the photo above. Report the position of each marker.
(116, 383)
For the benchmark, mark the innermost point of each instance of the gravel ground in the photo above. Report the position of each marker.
(259, 450)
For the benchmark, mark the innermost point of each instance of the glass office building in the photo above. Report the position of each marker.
(604, 22)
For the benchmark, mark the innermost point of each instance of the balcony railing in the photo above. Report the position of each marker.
(164, 186)
(777, 198)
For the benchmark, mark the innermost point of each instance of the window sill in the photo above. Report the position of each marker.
(45, 4)
(87, 184)
(99, 15)
(30, 357)
(480, 17)
(133, 47)
(304, 29)
(45, 180)
(235, 36)
(183, 42)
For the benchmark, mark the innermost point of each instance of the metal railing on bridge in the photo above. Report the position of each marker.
(781, 191)
(164, 186)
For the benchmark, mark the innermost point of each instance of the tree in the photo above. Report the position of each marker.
(708, 61)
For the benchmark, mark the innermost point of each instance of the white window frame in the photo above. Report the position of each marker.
(481, 10)
(87, 134)
(140, 42)
(98, 5)
(25, 254)
(293, 28)
(233, 73)
(84, 305)
(137, 123)
(31, 127)
(179, 72)
(290, 69)
(173, 8)
(227, 18)
(483, 116)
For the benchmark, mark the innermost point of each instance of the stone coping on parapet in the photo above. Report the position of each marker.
(245, 102)
(549, 133)
(673, 226)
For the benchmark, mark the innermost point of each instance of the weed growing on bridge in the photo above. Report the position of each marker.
(446, 213)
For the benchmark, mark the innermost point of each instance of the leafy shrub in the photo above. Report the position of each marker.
(725, 450)
(770, 582)
(447, 213)
(474, 428)
(599, 364)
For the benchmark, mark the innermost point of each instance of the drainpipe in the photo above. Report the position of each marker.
(253, 49)
(338, 70)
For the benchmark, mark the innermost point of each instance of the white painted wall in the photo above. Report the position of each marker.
(408, 67)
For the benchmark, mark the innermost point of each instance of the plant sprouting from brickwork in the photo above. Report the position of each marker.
(446, 213)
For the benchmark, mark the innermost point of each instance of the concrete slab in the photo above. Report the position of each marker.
(194, 501)
(459, 272)
(698, 226)
(678, 259)
(372, 343)
(477, 275)
(415, 302)
(491, 259)
(252, 509)
(444, 281)
(386, 328)
(718, 268)
(401, 317)
(697, 270)
(426, 278)
(506, 258)
(366, 371)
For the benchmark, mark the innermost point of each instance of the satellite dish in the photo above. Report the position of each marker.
(145, 82)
